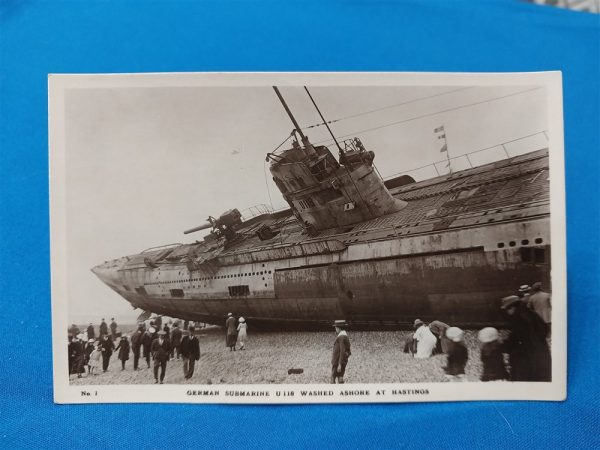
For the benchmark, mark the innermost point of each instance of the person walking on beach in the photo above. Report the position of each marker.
(341, 352)
(161, 350)
(113, 329)
(106, 347)
(147, 344)
(88, 348)
(136, 345)
(541, 303)
(231, 336)
(77, 355)
(242, 332)
(457, 355)
(190, 353)
(492, 358)
(176, 335)
(91, 334)
(103, 328)
(526, 345)
(94, 361)
(123, 348)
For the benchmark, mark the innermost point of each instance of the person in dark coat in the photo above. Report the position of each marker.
(103, 329)
(190, 352)
(231, 330)
(438, 329)
(341, 352)
(136, 345)
(123, 348)
(91, 334)
(74, 330)
(158, 323)
(176, 335)
(161, 349)
(76, 354)
(457, 354)
(147, 344)
(491, 356)
(113, 329)
(167, 330)
(106, 347)
(526, 345)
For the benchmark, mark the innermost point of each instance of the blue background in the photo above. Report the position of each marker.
(38, 37)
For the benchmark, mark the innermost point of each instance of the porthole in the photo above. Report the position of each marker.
(539, 240)
(500, 244)
(512, 243)
(525, 242)
(265, 284)
(269, 271)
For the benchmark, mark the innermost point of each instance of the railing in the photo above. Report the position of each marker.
(255, 210)
(469, 162)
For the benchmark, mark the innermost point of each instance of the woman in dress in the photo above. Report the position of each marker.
(123, 348)
(242, 333)
(94, 361)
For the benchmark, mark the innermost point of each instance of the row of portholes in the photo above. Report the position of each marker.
(220, 277)
(537, 241)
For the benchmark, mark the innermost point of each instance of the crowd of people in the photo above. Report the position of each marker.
(528, 315)
(153, 343)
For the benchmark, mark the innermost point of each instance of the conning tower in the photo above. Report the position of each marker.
(324, 192)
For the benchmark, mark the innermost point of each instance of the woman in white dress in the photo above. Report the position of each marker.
(242, 333)
(426, 340)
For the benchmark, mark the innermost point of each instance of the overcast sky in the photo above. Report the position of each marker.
(145, 164)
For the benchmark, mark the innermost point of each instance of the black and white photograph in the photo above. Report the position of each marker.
(307, 237)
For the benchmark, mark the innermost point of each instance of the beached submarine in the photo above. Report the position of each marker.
(352, 246)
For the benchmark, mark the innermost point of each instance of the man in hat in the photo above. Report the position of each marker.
(526, 345)
(161, 349)
(341, 352)
(147, 339)
(190, 352)
(523, 292)
(176, 335)
(113, 329)
(231, 336)
(106, 347)
(91, 334)
(540, 302)
(103, 328)
(136, 345)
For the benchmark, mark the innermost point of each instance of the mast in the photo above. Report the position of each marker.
(308, 146)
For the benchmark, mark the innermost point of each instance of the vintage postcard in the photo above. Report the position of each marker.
(307, 237)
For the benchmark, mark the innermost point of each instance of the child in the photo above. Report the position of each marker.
(457, 355)
(242, 334)
(123, 348)
(491, 356)
(94, 361)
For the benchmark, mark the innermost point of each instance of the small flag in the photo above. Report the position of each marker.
(442, 136)
(438, 129)
(444, 148)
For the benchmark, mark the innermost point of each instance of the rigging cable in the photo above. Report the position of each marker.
(352, 116)
(454, 108)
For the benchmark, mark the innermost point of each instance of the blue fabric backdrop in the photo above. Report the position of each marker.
(38, 37)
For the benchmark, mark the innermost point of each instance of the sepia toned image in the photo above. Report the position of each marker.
(307, 237)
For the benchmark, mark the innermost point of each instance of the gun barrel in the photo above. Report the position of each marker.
(198, 228)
